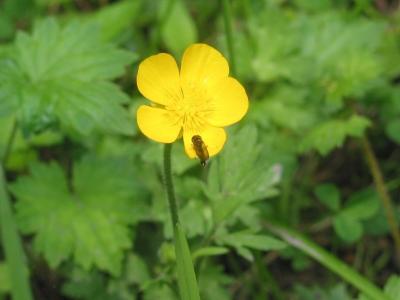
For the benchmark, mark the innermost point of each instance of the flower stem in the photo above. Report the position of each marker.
(229, 35)
(169, 185)
(328, 260)
(11, 241)
(383, 194)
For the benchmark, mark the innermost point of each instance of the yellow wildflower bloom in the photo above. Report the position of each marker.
(198, 100)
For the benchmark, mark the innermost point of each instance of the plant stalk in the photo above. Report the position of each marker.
(228, 19)
(383, 194)
(328, 260)
(169, 185)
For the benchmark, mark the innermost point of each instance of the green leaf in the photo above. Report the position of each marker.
(115, 18)
(62, 75)
(4, 278)
(87, 286)
(329, 195)
(186, 277)
(86, 217)
(347, 228)
(393, 130)
(179, 30)
(240, 175)
(362, 205)
(331, 134)
(338, 292)
(209, 251)
(253, 241)
(160, 291)
(287, 107)
(18, 272)
(214, 283)
(392, 287)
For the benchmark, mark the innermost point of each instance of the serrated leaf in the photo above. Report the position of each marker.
(332, 134)
(62, 75)
(240, 174)
(329, 195)
(87, 218)
(87, 286)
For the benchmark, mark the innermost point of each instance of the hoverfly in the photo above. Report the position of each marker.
(201, 149)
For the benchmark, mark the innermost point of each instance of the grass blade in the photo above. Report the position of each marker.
(186, 277)
(328, 260)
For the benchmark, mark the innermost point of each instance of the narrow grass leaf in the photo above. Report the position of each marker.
(186, 277)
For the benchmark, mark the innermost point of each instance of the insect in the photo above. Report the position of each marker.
(201, 149)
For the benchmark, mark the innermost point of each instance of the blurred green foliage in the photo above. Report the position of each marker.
(87, 187)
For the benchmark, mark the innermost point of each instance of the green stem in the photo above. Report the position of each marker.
(11, 241)
(173, 207)
(328, 260)
(383, 194)
(229, 35)
(188, 288)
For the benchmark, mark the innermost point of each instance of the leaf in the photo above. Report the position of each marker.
(87, 218)
(253, 241)
(393, 130)
(362, 205)
(332, 134)
(18, 272)
(287, 107)
(240, 174)
(214, 283)
(348, 228)
(87, 286)
(192, 217)
(179, 20)
(329, 195)
(209, 251)
(160, 291)
(137, 270)
(62, 75)
(337, 292)
(392, 287)
(115, 18)
(4, 279)
(186, 277)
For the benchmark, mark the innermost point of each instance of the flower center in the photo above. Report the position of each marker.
(192, 109)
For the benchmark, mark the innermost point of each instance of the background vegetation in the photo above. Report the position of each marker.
(317, 155)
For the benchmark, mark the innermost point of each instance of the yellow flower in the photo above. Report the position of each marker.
(198, 100)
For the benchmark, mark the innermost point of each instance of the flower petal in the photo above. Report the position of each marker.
(158, 79)
(158, 124)
(213, 137)
(202, 65)
(228, 102)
